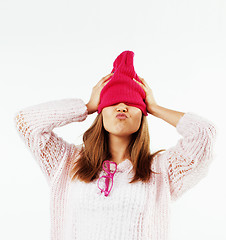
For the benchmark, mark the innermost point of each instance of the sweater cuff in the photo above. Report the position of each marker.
(190, 123)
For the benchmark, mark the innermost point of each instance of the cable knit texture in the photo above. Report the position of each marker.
(138, 211)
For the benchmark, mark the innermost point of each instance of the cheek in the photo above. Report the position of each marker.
(108, 121)
(136, 121)
(136, 124)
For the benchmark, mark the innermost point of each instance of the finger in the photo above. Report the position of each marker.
(141, 84)
(103, 79)
(137, 82)
(106, 82)
(143, 81)
(107, 76)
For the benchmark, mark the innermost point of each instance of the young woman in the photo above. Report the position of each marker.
(111, 186)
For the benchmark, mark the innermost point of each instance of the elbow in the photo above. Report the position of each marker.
(16, 118)
(211, 131)
(208, 138)
(18, 121)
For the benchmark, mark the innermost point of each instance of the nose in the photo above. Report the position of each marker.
(122, 107)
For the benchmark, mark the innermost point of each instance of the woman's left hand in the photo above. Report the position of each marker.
(149, 100)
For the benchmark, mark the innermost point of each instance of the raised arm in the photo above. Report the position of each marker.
(188, 161)
(35, 125)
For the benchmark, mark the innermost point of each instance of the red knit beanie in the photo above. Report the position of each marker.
(122, 87)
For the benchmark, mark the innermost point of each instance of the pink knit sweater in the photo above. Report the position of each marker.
(135, 211)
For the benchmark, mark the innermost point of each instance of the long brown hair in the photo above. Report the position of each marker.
(95, 150)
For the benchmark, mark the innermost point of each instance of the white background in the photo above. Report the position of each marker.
(51, 50)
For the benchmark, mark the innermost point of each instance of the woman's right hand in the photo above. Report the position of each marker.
(94, 101)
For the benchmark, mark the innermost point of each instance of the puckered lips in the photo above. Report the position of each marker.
(121, 116)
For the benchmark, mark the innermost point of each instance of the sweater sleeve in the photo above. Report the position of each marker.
(35, 125)
(188, 161)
